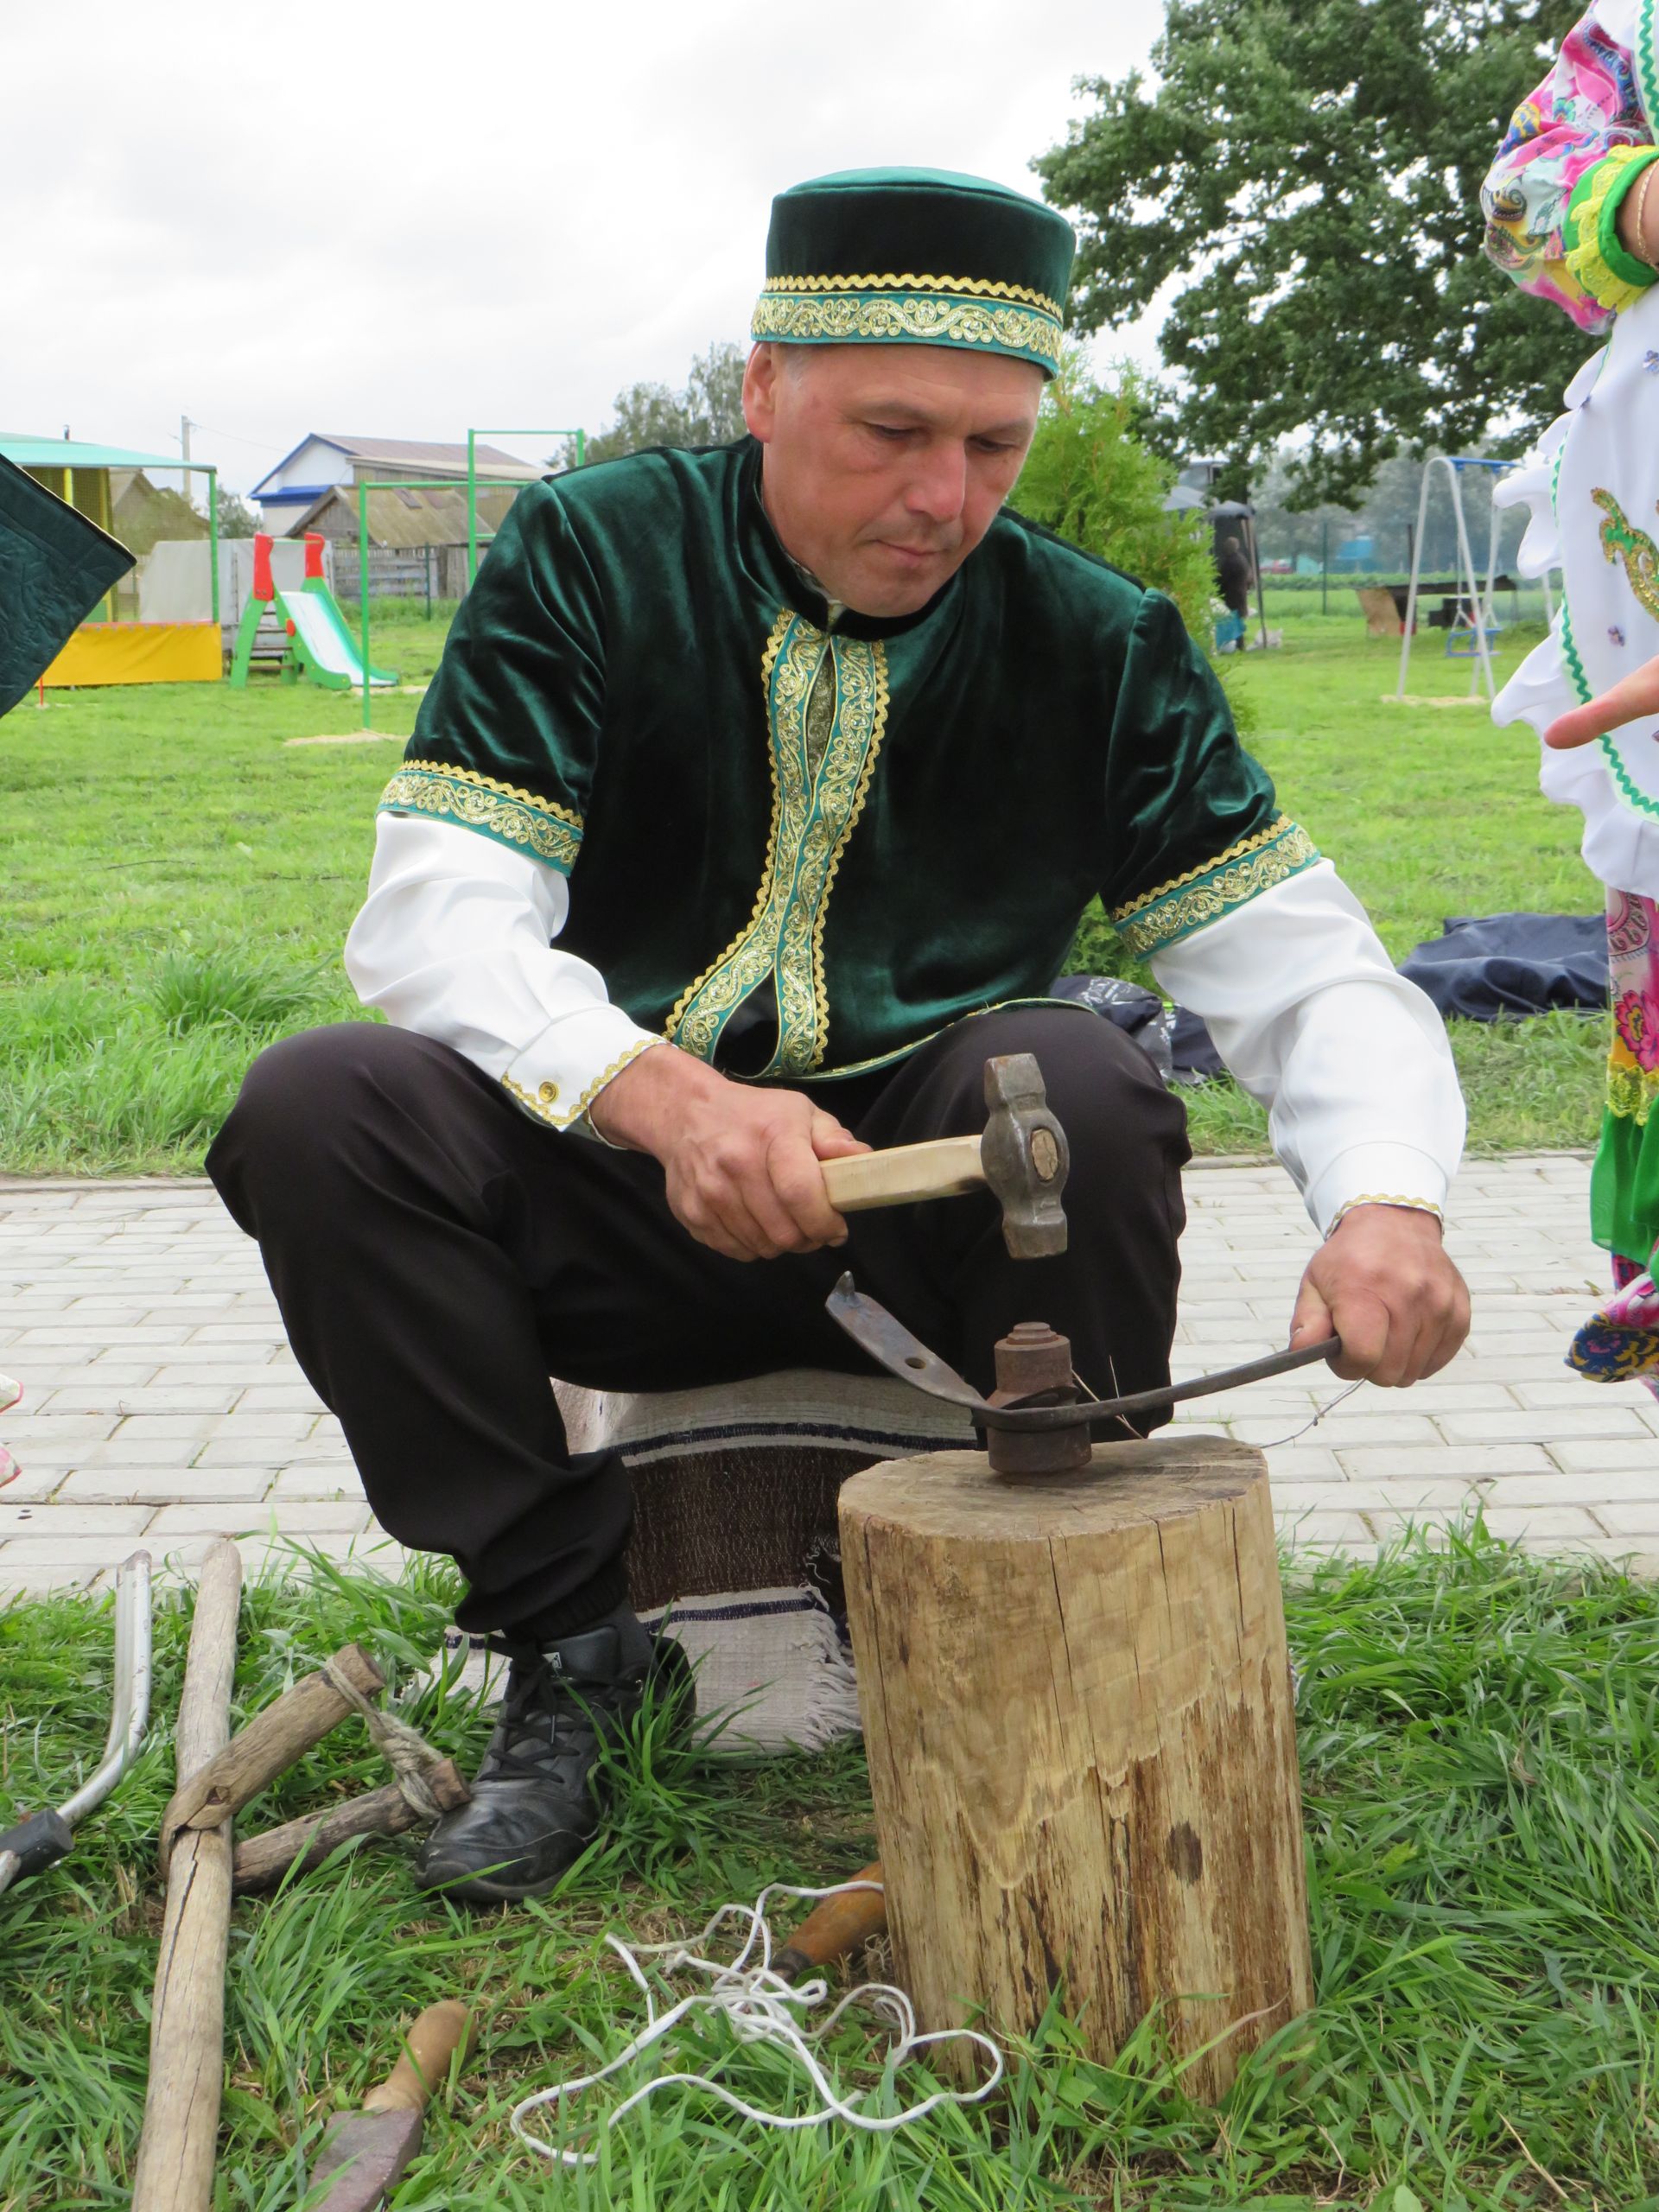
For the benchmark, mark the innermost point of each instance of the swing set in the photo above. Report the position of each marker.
(1475, 622)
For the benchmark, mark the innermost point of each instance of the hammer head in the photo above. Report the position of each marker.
(1024, 1157)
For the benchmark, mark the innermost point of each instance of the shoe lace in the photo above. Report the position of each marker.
(546, 1721)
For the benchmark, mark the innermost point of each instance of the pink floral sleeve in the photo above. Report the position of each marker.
(1587, 105)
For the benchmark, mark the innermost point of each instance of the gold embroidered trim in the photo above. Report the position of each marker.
(895, 320)
(975, 287)
(536, 1101)
(813, 815)
(1204, 894)
(877, 708)
(553, 833)
(1276, 828)
(763, 897)
(539, 1102)
(1623, 543)
(1388, 1198)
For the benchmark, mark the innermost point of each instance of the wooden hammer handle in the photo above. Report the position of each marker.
(834, 1926)
(433, 2041)
(943, 1169)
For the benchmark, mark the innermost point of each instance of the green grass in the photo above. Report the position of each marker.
(1479, 1736)
(1429, 813)
(180, 882)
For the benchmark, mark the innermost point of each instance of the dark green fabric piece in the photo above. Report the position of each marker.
(54, 567)
(921, 222)
(916, 256)
(799, 851)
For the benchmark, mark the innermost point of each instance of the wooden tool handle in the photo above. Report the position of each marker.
(262, 1860)
(441, 2032)
(943, 1169)
(834, 1927)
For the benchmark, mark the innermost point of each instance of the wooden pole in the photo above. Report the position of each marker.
(174, 2170)
(262, 1861)
(1076, 1697)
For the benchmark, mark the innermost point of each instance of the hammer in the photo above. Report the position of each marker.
(1021, 1156)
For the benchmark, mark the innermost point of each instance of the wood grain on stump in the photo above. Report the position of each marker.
(1076, 1693)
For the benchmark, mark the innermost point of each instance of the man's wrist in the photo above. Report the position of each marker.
(1635, 227)
(640, 1102)
(1421, 1210)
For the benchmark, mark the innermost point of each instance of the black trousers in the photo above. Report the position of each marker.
(437, 1255)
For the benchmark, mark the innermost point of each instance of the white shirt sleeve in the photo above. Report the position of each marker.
(455, 940)
(1350, 1059)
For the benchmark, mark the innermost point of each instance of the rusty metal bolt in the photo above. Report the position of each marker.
(1034, 1360)
(1033, 1357)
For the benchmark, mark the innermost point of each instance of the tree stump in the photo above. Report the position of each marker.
(1076, 1697)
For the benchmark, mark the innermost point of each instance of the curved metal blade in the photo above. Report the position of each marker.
(363, 2155)
(1173, 1394)
(891, 1345)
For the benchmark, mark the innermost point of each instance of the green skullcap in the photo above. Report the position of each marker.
(916, 257)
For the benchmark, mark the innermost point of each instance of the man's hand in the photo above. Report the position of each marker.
(1382, 1282)
(742, 1163)
(1628, 702)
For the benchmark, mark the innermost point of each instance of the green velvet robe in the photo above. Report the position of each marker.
(805, 883)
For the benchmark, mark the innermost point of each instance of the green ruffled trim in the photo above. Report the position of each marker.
(1647, 59)
(1581, 683)
(1612, 275)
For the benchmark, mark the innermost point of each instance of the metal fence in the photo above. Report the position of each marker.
(423, 572)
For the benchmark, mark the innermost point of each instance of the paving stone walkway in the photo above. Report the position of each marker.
(163, 1406)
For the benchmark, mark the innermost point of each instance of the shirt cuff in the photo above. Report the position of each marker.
(558, 1075)
(1376, 1175)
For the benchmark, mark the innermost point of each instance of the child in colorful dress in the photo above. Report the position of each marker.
(1572, 207)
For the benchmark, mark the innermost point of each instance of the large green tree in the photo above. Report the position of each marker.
(1307, 172)
(708, 412)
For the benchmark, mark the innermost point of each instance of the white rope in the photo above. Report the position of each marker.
(761, 2007)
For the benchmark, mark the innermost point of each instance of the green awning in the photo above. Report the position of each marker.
(70, 452)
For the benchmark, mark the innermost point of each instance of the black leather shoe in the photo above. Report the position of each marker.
(534, 1807)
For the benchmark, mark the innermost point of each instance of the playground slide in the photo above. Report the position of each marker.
(321, 628)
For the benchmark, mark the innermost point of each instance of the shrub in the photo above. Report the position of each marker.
(1090, 479)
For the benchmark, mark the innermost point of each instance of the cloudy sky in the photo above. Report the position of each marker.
(415, 219)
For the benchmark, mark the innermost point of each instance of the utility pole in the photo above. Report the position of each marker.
(185, 428)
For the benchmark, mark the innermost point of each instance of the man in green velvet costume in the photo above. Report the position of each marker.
(755, 804)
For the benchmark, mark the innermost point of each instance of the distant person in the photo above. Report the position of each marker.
(1572, 207)
(1235, 575)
